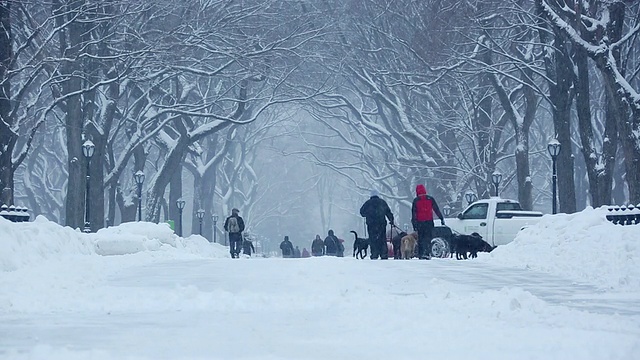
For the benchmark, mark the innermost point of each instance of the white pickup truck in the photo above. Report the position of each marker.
(497, 220)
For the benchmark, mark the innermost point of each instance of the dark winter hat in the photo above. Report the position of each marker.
(286, 237)
(235, 211)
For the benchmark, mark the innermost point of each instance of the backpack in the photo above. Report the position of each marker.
(233, 225)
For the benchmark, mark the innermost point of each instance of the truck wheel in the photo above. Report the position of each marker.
(439, 248)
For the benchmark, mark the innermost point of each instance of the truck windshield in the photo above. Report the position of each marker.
(508, 206)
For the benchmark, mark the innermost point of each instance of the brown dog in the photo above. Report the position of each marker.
(408, 245)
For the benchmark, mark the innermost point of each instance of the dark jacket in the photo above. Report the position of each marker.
(331, 244)
(247, 247)
(317, 247)
(240, 222)
(423, 207)
(287, 247)
(375, 210)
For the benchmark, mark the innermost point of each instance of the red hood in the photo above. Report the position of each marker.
(421, 190)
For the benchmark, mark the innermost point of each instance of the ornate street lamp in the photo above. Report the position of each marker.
(496, 178)
(215, 221)
(139, 178)
(180, 204)
(88, 149)
(200, 216)
(447, 210)
(471, 197)
(554, 150)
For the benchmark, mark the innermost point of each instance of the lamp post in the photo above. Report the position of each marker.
(471, 197)
(554, 150)
(87, 150)
(496, 178)
(200, 216)
(447, 210)
(180, 204)
(215, 221)
(139, 178)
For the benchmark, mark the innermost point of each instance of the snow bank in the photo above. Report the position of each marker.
(28, 243)
(583, 247)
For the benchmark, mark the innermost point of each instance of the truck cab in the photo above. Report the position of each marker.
(497, 220)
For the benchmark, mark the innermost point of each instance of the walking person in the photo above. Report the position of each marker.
(247, 247)
(305, 253)
(317, 246)
(375, 210)
(422, 211)
(331, 244)
(287, 247)
(234, 225)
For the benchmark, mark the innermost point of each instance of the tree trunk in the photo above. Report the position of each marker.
(7, 136)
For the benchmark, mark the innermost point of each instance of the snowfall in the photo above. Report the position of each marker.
(567, 288)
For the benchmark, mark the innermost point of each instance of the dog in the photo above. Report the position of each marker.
(469, 244)
(408, 245)
(360, 246)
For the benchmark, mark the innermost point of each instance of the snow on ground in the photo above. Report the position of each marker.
(567, 288)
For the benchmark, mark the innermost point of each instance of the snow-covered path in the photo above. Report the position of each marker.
(326, 308)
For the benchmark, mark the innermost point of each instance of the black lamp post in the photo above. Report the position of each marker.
(496, 178)
(215, 221)
(200, 216)
(447, 210)
(471, 197)
(554, 150)
(180, 204)
(87, 150)
(139, 178)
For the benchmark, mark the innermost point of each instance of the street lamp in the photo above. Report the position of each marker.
(180, 204)
(496, 178)
(471, 197)
(215, 221)
(139, 178)
(200, 216)
(447, 210)
(554, 150)
(87, 150)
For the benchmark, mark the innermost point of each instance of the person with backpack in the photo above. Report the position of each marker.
(374, 211)
(287, 247)
(331, 244)
(317, 246)
(422, 211)
(234, 225)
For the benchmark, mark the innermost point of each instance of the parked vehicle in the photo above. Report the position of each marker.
(497, 220)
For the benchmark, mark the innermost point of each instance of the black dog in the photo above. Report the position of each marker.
(472, 244)
(360, 246)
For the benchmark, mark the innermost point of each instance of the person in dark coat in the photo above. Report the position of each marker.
(317, 246)
(375, 210)
(297, 253)
(287, 248)
(331, 244)
(247, 247)
(234, 227)
(422, 211)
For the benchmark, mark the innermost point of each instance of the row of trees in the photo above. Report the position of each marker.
(385, 93)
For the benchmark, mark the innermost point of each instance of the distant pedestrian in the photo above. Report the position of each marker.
(422, 211)
(234, 225)
(287, 248)
(331, 244)
(297, 253)
(317, 246)
(340, 248)
(374, 211)
(305, 253)
(247, 247)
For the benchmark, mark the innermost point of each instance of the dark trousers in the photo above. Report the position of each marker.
(425, 231)
(377, 240)
(235, 244)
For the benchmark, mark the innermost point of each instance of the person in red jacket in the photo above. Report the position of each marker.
(422, 219)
